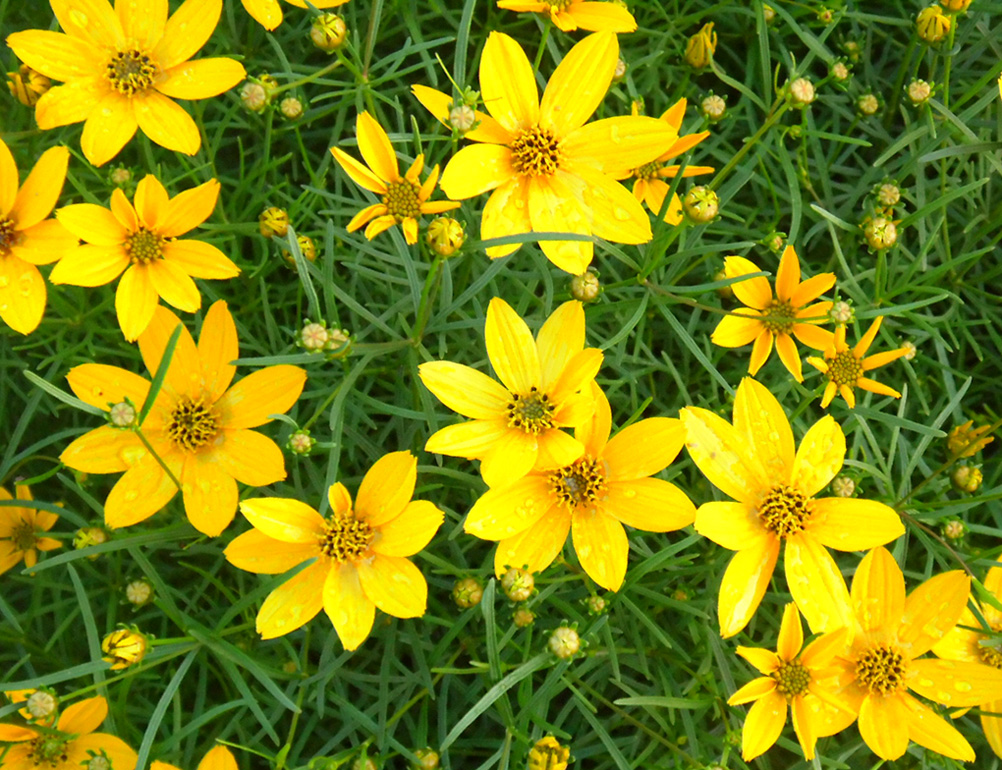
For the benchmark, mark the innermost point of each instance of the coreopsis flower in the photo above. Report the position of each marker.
(70, 745)
(591, 498)
(545, 386)
(699, 49)
(216, 758)
(883, 662)
(932, 24)
(753, 462)
(268, 13)
(845, 368)
(769, 320)
(404, 198)
(27, 86)
(122, 68)
(549, 171)
(792, 676)
(199, 426)
(27, 238)
(548, 754)
(650, 186)
(571, 15)
(358, 553)
(22, 530)
(124, 647)
(966, 440)
(142, 240)
(969, 643)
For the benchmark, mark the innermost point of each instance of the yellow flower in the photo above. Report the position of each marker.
(268, 13)
(650, 186)
(124, 647)
(968, 644)
(27, 86)
(548, 754)
(700, 47)
(122, 69)
(404, 199)
(753, 461)
(846, 367)
(794, 677)
(359, 553)
(19, 530)
(70, 745)
(891, 632)
(932, 24)
(545, 386)
(593, 497)
(767, 320)
(27, 238)
(198, 425)
(571, 15)
(966, 440)
(143, 241)
(550, 172)
(216, 758)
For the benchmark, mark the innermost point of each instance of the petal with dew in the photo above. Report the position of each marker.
(108, 128)
(217, 347)
(559, 339)
(409, 532)
(507, 83)
(56, 55)
(816, 584)
(188, 209)
(744, 584)
(135, 301)
(40, 191)
(284, 519)
(852, 524)
(254, 551)
(386, 488)
(394, 585)
(653, 505)
(464, 390)
(349, 609)
(536, 547)
(143, 23)
(506, 213)
(141, 491)
(614, 143)
(880, 722)
(928, 729)
(8, 179)
(69, 103)
(511, 348)
(819, 457)
(268, 391)
(931, 611)
(763, 725)
(210, 496)
(878, 591)
(90, 20)
(954, 682)
(760, 419)
(644, 448)
(22, 294)
(103, 450)
(601, 545)
(720, 452)
(267, 13)
(735, 526)
(250, 457)
(508, 510)
(616, 215)
(102, 385)
(186, 31)
(202, 78)
(579, 83)
(165, 122)
(554, 208)
(471, 440)
(294, 603)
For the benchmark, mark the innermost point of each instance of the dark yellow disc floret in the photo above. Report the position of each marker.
(48, 751)
(648, 170)
(144, 246)
(23, 536)
(8, 236)
(779, 317)
(992, 655)
(131, 72)
(192, 424)
(784, 510)
(580, 483)
(345, 538)
(532, 413)
(844, 369)
(792, 679)
(535, 152)
(403, 199)
(881, 669)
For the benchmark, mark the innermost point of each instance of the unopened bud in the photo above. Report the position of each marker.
(467, 592)
(313, 337)
(843, 486)
(301, 443)
(954, 529)
(273, 221)
(428, 759)
(955, 6)
(306, 247)
(88, 536)
(254, 97)
(367, 764)
(564, 642)
(523, 617)
(911, 350)
(680, 595)
(291, 108)
(932, 24)
(919, 92)
(802, 92)
(880, 233)
(586, 287)
(701, 204)
(769, 13)
(462, 117)
(825, 15)
(41, 704)
(620, 72)
(139, 592)
(122, 415)
(888, 194)
(123, 648)
(842, 313)
(445, 236)
(713, 107)
(840, 71)
(120, 176)
(966, 440)
(596, 605)
(700, 48)
(852, 50)
(518, 584)
(868, 105)
(98, 762)
(548, 754)
(27, 85)
(966, 478)
(328, 32)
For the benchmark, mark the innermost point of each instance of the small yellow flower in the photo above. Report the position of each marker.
(124, 647)
(27, 86)
(268, 13)
(932, 24)
(548, 754)
(216, 758)
(769, 320)
(142, 240)
(966, 440)
(404, 198)
(20, 528)
(846, 367)
(571, 15)
(359, 553)
(122, 70)
(329, 31)
(700, 48)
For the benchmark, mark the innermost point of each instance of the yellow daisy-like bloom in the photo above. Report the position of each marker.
(967, 643)
(550, 172)
(404, 198)
(68, 747)
(545, 386)
(143, 241)
(216, 758)
(122, 69)
(571, 15)
(753, 461)
(359, 553)
(650, 187)
(593, 497)
(846, 367)
(27, 238)
(198, 425)
(794, 677)
(268, 13)
(891, 632)
(768, 320)
(19, 530)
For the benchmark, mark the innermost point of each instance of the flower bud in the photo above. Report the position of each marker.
(88, 536)
(301, 443)
(680, 595)
(27, 86)
(428, 759)
(564, 642)
(367, 764)
(139, 593)
(462, 117)
(955, 6)
(932, 24)
(445, 236)
(548, 754)
(328, 32)
(888, 194)
(254, 97)
(701, 204)
(802, 92)
(700, 48)
(840, 71)
(123, 648)
(120, 176)
(843, 486)
(954, 529)
(966, 478)
(842, 313)
(42, 705)
(620, 71)
(313, 337)
(98, 761)
(852, 50)
(825, 15)
(966, 440)
(523, 617)
(868, 105)
(467, 592)
(713, 108)
(912, 351)
(769, 13)
(918, 92)
(291, 108)
(880, 233)
(306, 248)
(273, 221)
(586, 287)
(122, 415)
(518, 584)
(596, 604)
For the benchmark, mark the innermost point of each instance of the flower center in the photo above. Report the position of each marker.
(991, 654)
(48, 750)
(532, 413)
(345, 538)
(881, 669)
(779, 317)
(792, 679)
(579, 483)
(535, 152)
(23, 536)
(143, 246)
(648, 170)
(131, 72)
(784, 510)
(192, 424)
(557, 5)
(402, 199)
(845, 369)
(8, 236)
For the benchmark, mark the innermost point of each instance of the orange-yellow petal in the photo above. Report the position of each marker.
(601, 545)
(40, 191)
(510, 509)
(760, 419)
(744, 584)
(932, 610)
(738, 329)
(250, 457)
(268, 391)
(284, 519)
(200, 260)
(108, 128)
(188, 209)
(506, 213)
(375, 147)
(394, 585)
(254, 551)
(294, 603)
(819, 457)
(511, 348)
(186, 31)
(579, 83)
(464, 390)
(84, 716)
(880, 722)
(763, 725)
(409, 532)
(386, 488)
(472, 439)
(878, 591)
(536, 547)
(22, 294)
(165, 122)
(349, 609)
(928, 729)
(135, 301)
(507, 83)
(816, 584)
(217, 347)
(141, 491)
(753, 292)
(174, 285)
(103, 450)
(202, 78)
(653, 505)
(210, 495)
(102, 385)
(852, 524)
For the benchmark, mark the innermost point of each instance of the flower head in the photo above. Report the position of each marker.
(268, 13)
(358, 553)
(404, 198)
(141, 239)
(571, 15)
(548, 754)
(21, 528)
(217, 758)
(753, 461)
(124, 647)
(846, 368)
(932, 24)
(199, 426)
(966, 440)
(545, 386)
(123, 67)
(700, 47)
(27, 86)
(591, 498)
(769, 320)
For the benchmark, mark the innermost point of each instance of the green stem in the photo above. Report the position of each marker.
(542, 45)
(310, 78)
(949, 61)
(160, 462)
(428, 293)
(780, 107)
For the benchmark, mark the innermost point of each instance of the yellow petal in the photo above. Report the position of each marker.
(652, 505)
(812, 336)
(101, 385)
(103, 450)
(8, 179)
(40, 191)
(507, 83)
(471, 440)
(601, 545)
(268, 391)
(386, 488)
(200, 260)
(69, 103)
(992, 726)
(92, 223)
(188, 209)
(554, 208)
(573, 386)
(720, 452)
(267, 13)
(294, 603)
(760, 419)
(760, 351)
(135, 302)
(464, 390)
(928, 729)
(202, 78)
(183, 375)
(409, 532)
(15, 734)
(22, 294)
(44, 243)
(56, 55)
(932, 610)
(819, 457)
(763, 725)
(604, 16)
(880, 721)
(359, 174)
(816, 584)
(955, 683)
(579, 83)
(791, 633)
(878, 591)
(109, 127)
(789, 355)
(556, 449)
(394, 585)
(347, 606)
(811, 289)
(511, 456)
(644, 448)
(511, 348)
(744, 584)
(506, 213)
(594, 432)
(210, 496)
(250, 457)
(119, 753)
(284, 519)
(187, 31)
(375, 147)
(476, 169)
(166, 123)
(218, 758)
(735, 526)
(737, 330)
(255, 552)
(536, 547)
(217, 347)
(804, 723)
(560, 338)
(850, 524)
(620, 142)
(754, 690)
(616, 215)
(753, 292)
(510, 509)
(84, 716)
(174, 286)
(141, 491)
(788, 275)
(90, 266)
(438, 104)
(91, 20)
(143, 23)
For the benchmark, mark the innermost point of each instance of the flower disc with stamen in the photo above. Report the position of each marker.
(345, 538)
(881, 669)
(846, 368)
(784, 510)
(23, 530)
(532, 413)
(535, 151)
(131, 72)
(192, 424)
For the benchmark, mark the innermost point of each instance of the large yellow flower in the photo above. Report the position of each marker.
(268, 13)
(143, 241)
(20, 528)
(122, 69)
(550, 172)
(969, 644)
(593, 497)
(404, 199)
(545, 386)
(198, 425)
(27, 238)
(571, 15)
(753, 461)
(778, 319)
(70, 746)
(891, 632)
(358, 553)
